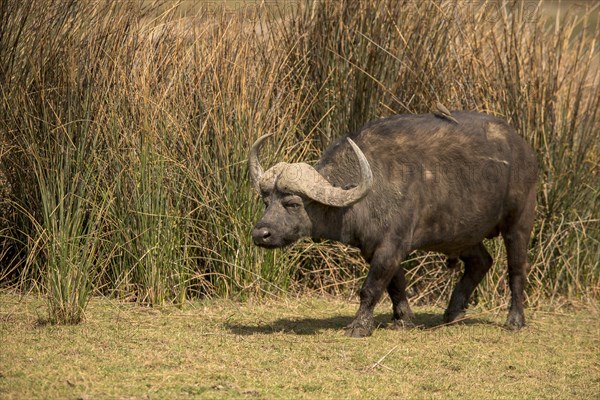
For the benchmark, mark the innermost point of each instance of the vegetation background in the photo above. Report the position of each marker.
(125, 126)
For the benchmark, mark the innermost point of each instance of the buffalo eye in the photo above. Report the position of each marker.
(292, 205)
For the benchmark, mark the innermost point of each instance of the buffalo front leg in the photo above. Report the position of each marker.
(402, 314)
(477, 263)
(384, 266)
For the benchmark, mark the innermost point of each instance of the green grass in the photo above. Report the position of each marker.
(291, 348)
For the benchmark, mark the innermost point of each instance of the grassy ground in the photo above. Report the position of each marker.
(291, 349)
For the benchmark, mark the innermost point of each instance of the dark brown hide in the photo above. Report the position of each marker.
(438, 185)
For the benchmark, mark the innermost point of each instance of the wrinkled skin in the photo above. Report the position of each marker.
(438, 186)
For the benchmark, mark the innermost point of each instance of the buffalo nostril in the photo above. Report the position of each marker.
(261, 235)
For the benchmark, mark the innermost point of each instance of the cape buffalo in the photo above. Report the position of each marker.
(404, 183)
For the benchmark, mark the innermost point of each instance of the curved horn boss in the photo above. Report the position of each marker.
(303, 179)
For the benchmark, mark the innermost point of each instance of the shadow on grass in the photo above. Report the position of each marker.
(311, 326)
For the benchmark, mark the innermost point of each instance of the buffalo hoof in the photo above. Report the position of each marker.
(402, 324)
(454, 316)
(360, 328)
(515, 321)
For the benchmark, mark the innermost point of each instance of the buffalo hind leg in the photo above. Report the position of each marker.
(516, 252)
(402, 314)
(384, 266)
(477, 262)
(516, 240)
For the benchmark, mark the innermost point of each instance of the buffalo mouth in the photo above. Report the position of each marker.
(269, 245)
(272, 245)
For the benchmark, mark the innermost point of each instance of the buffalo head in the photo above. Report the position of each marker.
(290, 190)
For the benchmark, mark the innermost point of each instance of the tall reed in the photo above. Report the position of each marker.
(125, 130)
